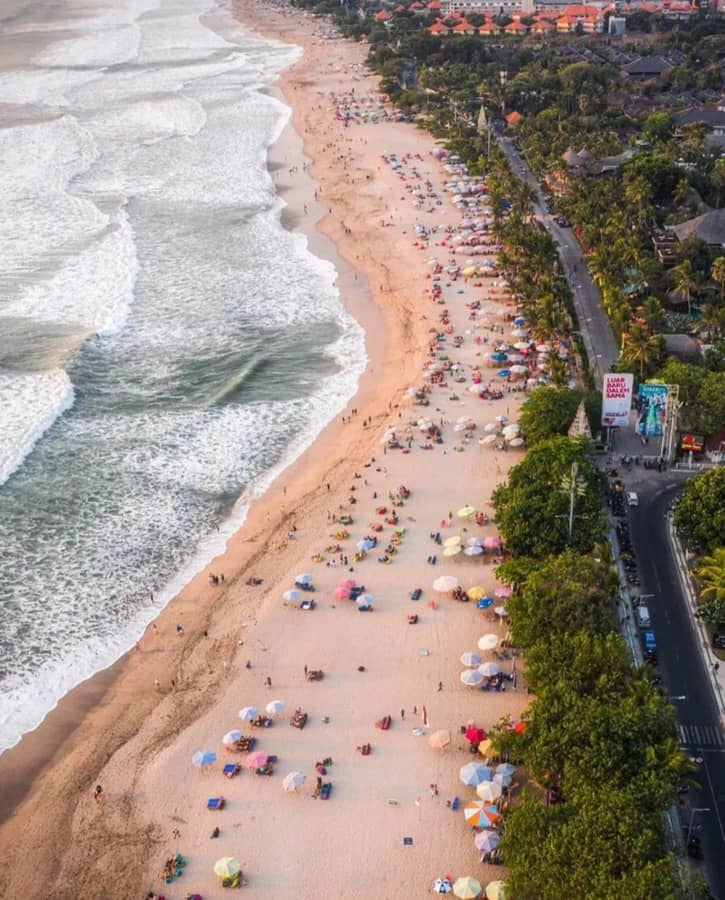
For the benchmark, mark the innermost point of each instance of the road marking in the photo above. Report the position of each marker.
(701, 735)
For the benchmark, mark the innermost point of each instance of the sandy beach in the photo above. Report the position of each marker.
(135, 728)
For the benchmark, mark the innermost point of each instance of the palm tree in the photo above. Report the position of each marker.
(711, 573)
(710, 316)
(683, 279)
(639, 347)
(718, 275)
(652, 313)
(717, 176)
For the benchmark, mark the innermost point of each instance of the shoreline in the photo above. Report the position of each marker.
(116, 701)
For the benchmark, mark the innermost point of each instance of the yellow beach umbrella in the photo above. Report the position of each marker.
(496, 890)
(467, 888)
(465, 512)
(452, 541)
(476, 592)
(453, 551)
(484, 748)
(227, 867)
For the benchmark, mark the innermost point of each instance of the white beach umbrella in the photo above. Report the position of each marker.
(471, 677)
(473, 550)
(294, 780)
(452, 551)
(291, 596)
(471, 658)
(517, 442)
(304, 578)
(365, 600)
(275, 707)
(231, 737)
(474, 542)
(487, 841)
(492, 427)
(488, 642)
(496, 890)
(505, 769)
(503, 780)
(488, 440)
(489, 669)
(248, 713)
(501, 611)
(472, 774)
(490, 791)
(512, 430)
(445, 583)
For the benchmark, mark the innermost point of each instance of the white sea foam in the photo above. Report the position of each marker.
(29, 404)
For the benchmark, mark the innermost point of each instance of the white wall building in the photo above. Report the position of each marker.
(488, 7)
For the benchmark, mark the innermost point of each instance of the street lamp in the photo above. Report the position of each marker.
(576, 487)
(695, 809)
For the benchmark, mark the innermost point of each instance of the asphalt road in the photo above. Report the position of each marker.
(599, 341)
(688, 684)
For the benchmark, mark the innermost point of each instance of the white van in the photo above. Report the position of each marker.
(643, 617)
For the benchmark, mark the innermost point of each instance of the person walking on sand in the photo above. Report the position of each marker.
(440, 685)
(402, 713)
(97, 794)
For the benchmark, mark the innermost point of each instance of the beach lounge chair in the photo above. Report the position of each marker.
(384, 723)
(308, 604)
(326, 790)
(413, 619)
(416, 594)
(264, 770)
(315, 674)
(299, 719)
(365, 749)
(215, 803)
(231, 769)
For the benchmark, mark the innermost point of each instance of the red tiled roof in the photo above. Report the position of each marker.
(383, 16)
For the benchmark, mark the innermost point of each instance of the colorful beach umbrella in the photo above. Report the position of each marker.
(467, 888)
(227, 867)
(481, 815)
(470, 659)
(472, 774)
(255, 760)
(304, 578)
(485, 747)
(294, 780)
(471, 677)
(476, 592)
(203, 758)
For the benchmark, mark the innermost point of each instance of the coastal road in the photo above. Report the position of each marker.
(688, 682)
(596, 332)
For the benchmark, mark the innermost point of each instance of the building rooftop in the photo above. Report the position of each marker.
(709, 227)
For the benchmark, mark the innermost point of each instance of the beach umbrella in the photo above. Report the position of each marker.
(452, 541)
(365, 545)
(248, 713)
(460, 427)
(484, 603)
(496, 890)
(475, 550)
(516, 442)
(470, 658)
(501, 611)
(490, 791)
(442, 886)
(476, 592)
(292, 781)
(275, 707)
(511, 430)
(484, 747)
(231, 737)
(518, 370)
(203, 758)
(471, 677)
(503, 373)
(492, 427)
(305, 578)
(475, 735)
(502, 591)
(519, 321)
(467, 888)
(474, 773)
(489, 669)
(497, 357)
(488, 440)
(439, 740)
(227, 867)
(521, 345)
(488, 642)
(502, 419)
(465, 512)
(487, 841)
(480, 814)
(503, 780)
(255, 760)
(364, 601)
(445, 584)
(519, 333)
(492, 543)
(452, 551)
(506, 769)
(291, 596)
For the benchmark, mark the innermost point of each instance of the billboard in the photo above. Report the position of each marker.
(616, 398)
(651, 409)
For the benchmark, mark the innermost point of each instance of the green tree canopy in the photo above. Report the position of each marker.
(548, 412)
(532, 508)
(700, 511)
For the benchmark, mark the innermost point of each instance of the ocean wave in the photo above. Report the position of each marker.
(29, 404)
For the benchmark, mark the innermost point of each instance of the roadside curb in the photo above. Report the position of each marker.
(683, 573)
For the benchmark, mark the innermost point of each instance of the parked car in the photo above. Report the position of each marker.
(643, 618)
(648, 639)
(632, 499)
(562, 222)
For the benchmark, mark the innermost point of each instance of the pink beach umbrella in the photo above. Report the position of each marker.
(492, 543)
(256, 760)
(344, 589)
(502, 592)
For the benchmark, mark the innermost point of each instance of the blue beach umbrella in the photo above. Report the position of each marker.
(203, 758)
(472, 774)
(503, 373)
(498, 357)
(519, 321)
(484, 603)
